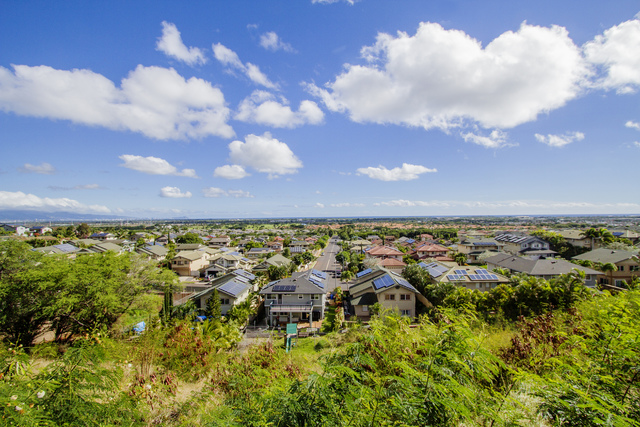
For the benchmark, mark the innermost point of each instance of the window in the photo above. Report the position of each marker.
(634, 268)
(405, 312)
(621, 283)
(365, 308)
(390, 297)
(621, 268)
(224, 301)
(270, 296)
(300, 296)
(405, 297)
(316, 297)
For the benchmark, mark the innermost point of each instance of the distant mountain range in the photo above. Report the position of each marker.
(32, 216)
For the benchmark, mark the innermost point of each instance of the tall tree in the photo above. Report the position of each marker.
(213, 306)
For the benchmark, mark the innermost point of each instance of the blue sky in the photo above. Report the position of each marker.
(309, 108)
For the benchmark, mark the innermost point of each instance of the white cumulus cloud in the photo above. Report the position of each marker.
(265, 109)
(271, 41)
(617, 51)
(441, 78)
(156, 102)
(154, 166)
(44, 168)
(229, 58)
(171, 44)
(633, 125)
(213, 192)
(496, 139)
(230, 172)
(174, 193)
(264, 154)
(406, 172)
(559, 140)
(347, 205)
(20, 200)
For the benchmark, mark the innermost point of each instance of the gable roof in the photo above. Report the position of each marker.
(539, 267)
(304, 282)
(604, 255)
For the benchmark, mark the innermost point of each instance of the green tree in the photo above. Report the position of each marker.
(189, 238)
(213, 306)
(417, 276)
(83, 230)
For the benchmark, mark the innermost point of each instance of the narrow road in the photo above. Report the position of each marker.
(327, 263)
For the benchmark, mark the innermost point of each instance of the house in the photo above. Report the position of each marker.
(41, 230)
(189, 247)
(224, 263)
(104, 247)
(219, 242)
(233, 288)
(189, 263)
(18, 230)
(429, 250)
(628, 264)
(84, 243)
(532, 246)
(276, 260)
(543, 268)
(632, 236)
(257, 253)
(473, 248)
(387, 288)
(154, 252)
(576, 238)
(359, 245)
(392, 264)
(102, 236)
(299, 246)
(469, 277)
(298, 298)
(64, 248)
(275, 246)
(383, 252)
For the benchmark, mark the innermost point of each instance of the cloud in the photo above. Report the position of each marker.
(264, 154)
(77, 187)
(219, 192)
(229, 58)
(443, 79)
(617, 52)
(171, 44)
(272, 42)
(347, 205)
(319, 205)
(156, 102)
(230, 172)
(560, 140)
(632, 125)
(43, 168)
(636, 143)
(497, 139)
(20, 200)
(263, 108)
(174, 193)
(154, 166)
(405, 173)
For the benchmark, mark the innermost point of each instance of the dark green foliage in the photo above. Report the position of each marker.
(213, 306)
(189, 238)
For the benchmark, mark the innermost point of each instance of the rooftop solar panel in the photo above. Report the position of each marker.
(463, 272)
(481, 271)
(320, 274)
(363, 273)
(316, 282)
(244, 273)
(233, 288)
(383, 282)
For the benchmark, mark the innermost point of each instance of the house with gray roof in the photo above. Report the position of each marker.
(627, 263)
(233, 288)
(278, 260)
(473, 248)
(299, 298)
(530, 246)
(387, 288)
(154, 252)
(470, 277)
(543, 268)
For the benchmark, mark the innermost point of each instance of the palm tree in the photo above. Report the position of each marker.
(459, 257)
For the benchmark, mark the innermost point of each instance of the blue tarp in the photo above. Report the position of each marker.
(201, 318)
(139, 327)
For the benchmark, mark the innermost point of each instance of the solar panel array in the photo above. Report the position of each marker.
(481, 271)
(463, 272)
(363, 273)
(320, 274)
(455, 277)
(66, 247)
(483, 277)
(284, 288)
(233, 288)
(244, 274)
(434, 269)
(512, 238)
(405, 283)
(316, 282)
(383, 282)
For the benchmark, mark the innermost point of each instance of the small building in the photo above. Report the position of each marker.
(277, 260)
(525, 245)
(154, 252)
(189, 263)
(469, 277)
(233, 288)
(627, 263)
(298, 298)
(473, 248)
(387, 288)
(257, 253)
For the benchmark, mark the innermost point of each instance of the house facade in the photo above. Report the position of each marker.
(473, 248)
(298, 298)
(627, 264)
(521, 245)
(233, 288)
